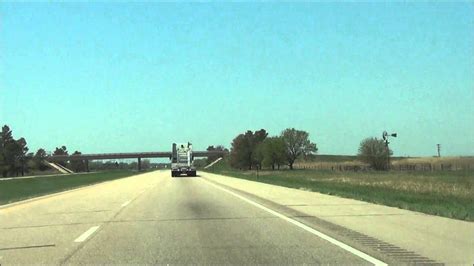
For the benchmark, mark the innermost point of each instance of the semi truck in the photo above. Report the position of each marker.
(182, 160)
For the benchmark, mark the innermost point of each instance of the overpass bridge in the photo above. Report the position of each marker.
(132, 155)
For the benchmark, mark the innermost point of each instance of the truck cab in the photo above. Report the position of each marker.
(182, 160)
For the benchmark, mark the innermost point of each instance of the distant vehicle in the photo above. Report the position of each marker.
(182, 160)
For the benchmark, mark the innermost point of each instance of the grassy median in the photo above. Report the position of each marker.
(19, 189)
(444, 193)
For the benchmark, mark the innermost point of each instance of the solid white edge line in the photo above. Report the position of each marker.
(126, 203)
(307, 228)
(86, 234)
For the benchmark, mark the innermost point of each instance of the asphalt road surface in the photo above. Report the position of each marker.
(153, 218)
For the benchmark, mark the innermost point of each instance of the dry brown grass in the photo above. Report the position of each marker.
(421, 163)
(436, 185)
(327, 165)
(453, 160)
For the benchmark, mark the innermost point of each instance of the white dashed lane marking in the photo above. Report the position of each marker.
(126, 203)
(86, 234)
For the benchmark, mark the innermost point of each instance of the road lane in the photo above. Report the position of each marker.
(175, 220)
(186, 220)
(61, 219)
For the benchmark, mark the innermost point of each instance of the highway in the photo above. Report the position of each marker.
(153, 218)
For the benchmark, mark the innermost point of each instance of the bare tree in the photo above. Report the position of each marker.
(297, 143)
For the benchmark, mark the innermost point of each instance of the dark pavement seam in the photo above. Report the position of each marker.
(28, 247)
(46, 225)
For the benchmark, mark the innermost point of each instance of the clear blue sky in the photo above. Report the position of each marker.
(115, 77)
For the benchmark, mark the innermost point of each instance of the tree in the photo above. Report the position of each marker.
(240, 156)
(243, 148)
(6, 135)
(211, 158)
(3, 166)
(6, 156)
(38, 159)
(132, 165)
(61, 151)
(257, 148)
(274, 152)
(78, 165)
(200, 163)
(145, 164)
(258, 155)
(374, 152)
(20, 156)
(297, 143)
(30, 163)
(13, 153)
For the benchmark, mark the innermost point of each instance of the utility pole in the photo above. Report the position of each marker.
(439, 149)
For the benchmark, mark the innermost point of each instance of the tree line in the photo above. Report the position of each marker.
(16, 160)
(254, 150)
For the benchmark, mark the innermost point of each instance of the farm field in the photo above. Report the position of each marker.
(336, 162)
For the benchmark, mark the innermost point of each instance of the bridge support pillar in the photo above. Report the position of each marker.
(139, 164)
(87, 165)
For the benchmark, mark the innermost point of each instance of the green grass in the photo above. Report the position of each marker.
(444, 193)
(19, 189)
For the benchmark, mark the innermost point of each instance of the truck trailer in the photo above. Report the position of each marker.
(182, 160)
